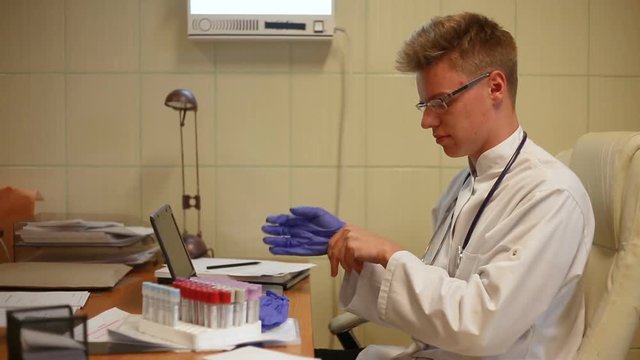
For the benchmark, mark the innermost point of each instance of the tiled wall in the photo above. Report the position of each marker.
(82, 84)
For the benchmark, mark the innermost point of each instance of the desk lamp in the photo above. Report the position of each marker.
(184, 101)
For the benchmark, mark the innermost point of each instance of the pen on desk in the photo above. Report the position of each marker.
(232, 265)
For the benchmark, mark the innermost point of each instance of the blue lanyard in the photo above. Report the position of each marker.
(495, 186)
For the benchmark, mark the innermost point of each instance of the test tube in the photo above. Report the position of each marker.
(240, 307)
(155, 303)
(202, 304)
(145, 300)
(185, 302)
(167, 300)
(212, 308)
(181, 286)
(175, 306)
(225, 310)
(253, 303)
(195, 293)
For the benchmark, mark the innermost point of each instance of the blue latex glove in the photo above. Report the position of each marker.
(274, 310)
(306, 231)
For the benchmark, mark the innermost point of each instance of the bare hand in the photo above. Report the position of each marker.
(352, 246)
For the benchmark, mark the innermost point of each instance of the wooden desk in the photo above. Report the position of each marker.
(127, 295)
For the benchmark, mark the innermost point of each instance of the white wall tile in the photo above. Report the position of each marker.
(613, 104)
(253, 119)
(553, 110)
(49, 181)
(614, 33)
(164, 45)
(389, 25)
(446, 175)
(245, 197)
(103, 119)
(399, 203)
(449, 162)
(160, 137)
(394, 135)
(501, 11)
(112, 190)
(324, 304)
(320, 124)
(102, 35)
(162, 185)
(253, 56)
(345, 53)
(553, 36)
(315, 124)
(32, 35)
(32, 120)
(317, 187)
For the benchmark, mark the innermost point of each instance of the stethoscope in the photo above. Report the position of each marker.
(449, 212)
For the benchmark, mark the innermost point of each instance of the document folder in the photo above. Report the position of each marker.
(30, 275)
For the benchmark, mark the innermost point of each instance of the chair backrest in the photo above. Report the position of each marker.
(608, 163)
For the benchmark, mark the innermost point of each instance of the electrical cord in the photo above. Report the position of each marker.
(344, 71)
(342, 118)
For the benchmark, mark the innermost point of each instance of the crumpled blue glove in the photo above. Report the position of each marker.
(274, 310)
(306, 231)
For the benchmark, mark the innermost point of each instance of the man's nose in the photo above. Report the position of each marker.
(429, 119)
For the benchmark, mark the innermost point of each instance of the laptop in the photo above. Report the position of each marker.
(180, 264)
(174, 251)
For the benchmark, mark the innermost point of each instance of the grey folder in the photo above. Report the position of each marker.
(55, 275)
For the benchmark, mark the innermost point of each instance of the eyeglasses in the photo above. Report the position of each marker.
(441, 104)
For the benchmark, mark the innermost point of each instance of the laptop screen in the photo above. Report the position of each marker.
(174, 250)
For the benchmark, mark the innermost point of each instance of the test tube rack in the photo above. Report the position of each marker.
(200, 338)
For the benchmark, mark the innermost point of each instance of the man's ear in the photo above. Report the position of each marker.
(497, 86)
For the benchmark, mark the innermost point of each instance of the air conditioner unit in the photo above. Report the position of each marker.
(257, 19)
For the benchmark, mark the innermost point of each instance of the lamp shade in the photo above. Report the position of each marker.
(181, 99)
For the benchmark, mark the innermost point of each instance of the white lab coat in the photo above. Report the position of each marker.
(517, 292)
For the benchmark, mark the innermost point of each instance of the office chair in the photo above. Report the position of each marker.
(608, 164)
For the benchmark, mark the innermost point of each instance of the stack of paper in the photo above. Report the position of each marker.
(84, 241)
(80, 232)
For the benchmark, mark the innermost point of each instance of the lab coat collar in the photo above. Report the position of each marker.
(494, 159)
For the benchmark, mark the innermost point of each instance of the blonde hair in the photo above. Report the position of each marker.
(473, 43)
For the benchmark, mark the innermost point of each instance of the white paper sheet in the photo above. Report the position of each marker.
(264, 268)
(98, 326)
(252, 352)
(25, 299)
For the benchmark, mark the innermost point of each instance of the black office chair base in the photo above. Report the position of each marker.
(330, 354)
(348, 341)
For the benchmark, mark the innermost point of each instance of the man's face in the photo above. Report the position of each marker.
(462, 128)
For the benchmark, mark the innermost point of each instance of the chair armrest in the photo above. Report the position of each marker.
(345, 322)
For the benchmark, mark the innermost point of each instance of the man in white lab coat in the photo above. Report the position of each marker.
(502, 278)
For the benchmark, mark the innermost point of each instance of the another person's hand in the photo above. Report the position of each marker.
(352, 246)
(306, 231)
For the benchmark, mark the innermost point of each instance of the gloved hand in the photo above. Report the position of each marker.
(274, 310)
(306, 232)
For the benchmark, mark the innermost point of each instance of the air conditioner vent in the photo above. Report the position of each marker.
(260, 19)
(235, 25)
